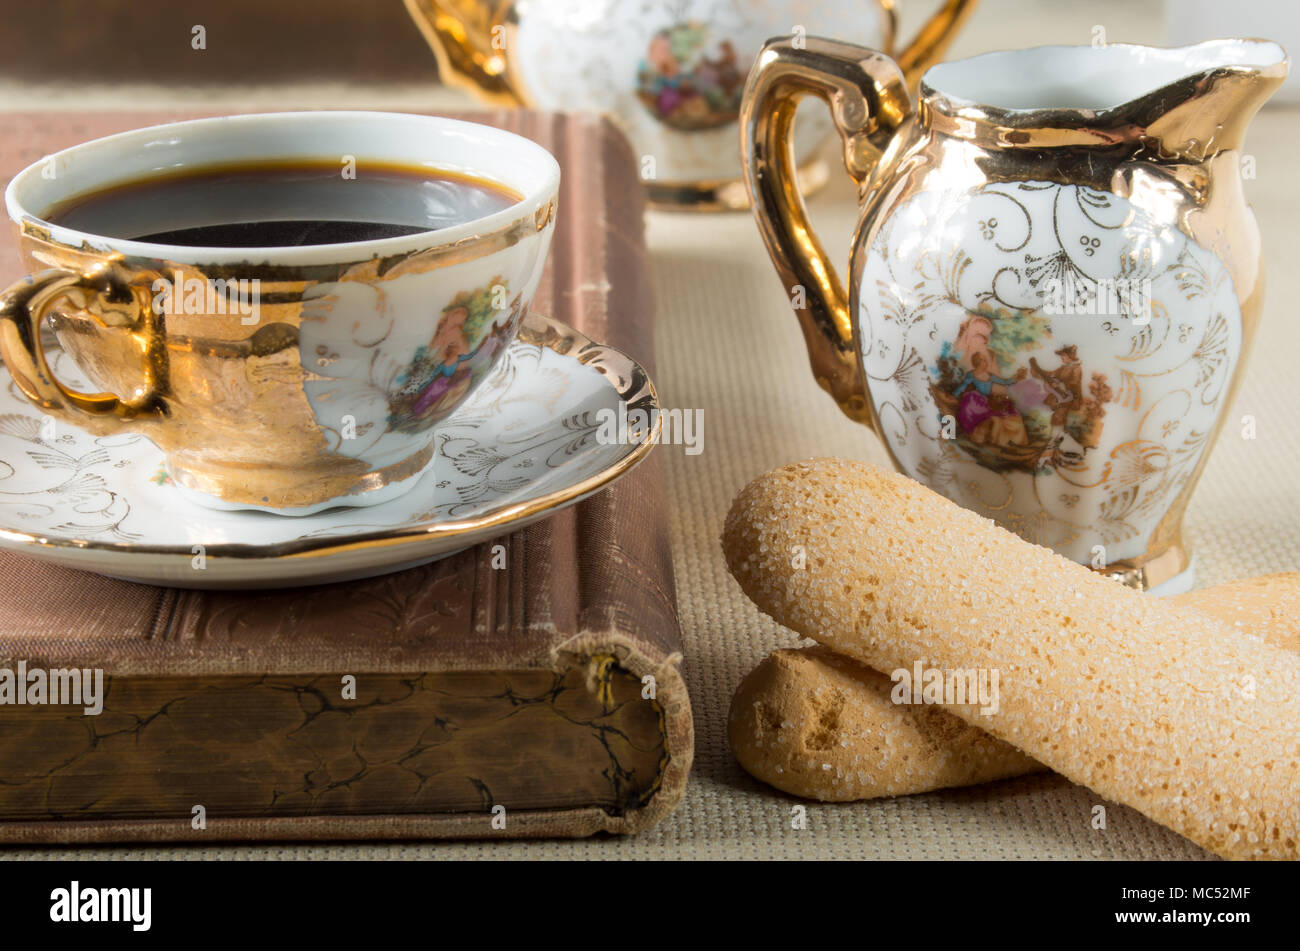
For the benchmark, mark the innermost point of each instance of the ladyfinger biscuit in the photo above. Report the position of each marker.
(822, 726)
(816, 724)
(1188, 720)
(1267, 606)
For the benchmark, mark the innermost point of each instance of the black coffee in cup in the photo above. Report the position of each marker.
(283, 204)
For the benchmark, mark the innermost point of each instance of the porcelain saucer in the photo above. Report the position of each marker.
(534, 438)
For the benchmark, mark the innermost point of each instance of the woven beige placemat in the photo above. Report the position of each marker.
(728, 344)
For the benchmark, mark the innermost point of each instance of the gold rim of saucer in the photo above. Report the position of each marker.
(726, 194)
(629, 379)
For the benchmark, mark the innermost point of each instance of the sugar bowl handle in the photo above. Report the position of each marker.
(868, 100)
(932, 39)
(469, 41)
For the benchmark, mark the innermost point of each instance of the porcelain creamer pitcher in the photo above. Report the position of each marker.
(670, 72)
(1053, 281)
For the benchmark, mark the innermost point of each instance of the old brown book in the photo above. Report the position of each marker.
(549, 689)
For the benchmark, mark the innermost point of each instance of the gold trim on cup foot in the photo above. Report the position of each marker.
(296, 490)
(1153, 572)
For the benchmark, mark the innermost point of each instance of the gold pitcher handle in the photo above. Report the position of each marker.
(868, 101)
(932, 40)
(468, 39)
(106, 293)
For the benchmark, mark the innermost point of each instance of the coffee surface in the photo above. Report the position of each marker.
(283, 204)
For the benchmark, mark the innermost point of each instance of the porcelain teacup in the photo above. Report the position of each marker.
(328, 391)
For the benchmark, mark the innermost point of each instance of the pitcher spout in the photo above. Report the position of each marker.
(1207, 109)
(1185, 104)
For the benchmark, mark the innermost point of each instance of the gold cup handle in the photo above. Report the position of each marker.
(107, 295)
(868, 100)
(932, 40)
(468, 41)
